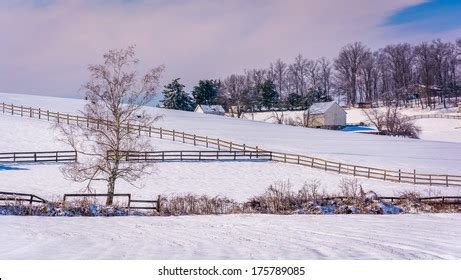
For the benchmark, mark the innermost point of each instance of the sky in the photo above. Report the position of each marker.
(46, 45)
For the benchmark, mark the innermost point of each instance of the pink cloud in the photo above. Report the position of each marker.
(45, 49)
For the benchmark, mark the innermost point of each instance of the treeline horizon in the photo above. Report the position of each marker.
(428, 72)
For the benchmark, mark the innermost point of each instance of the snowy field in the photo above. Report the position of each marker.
(354, 148)
(236, 180)
(233, 237)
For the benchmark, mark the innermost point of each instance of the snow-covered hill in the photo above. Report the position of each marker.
(235, 236)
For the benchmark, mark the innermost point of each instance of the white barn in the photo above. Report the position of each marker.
(325, 115)
(210, 109)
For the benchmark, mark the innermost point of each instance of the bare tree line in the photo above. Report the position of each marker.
(398, 74)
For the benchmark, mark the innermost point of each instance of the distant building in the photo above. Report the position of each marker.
(364, 105)
(210, 109)
(459, 107)
(325, 115)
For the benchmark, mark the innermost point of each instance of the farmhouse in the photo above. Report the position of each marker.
(325, 115)
(210, 109)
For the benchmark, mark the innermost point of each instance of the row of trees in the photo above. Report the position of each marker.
(396, 74)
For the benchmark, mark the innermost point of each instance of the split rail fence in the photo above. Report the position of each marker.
(142, 204)
(21, 197)
(434, 116)
(194, 155)
(29, 157)
(137, 204)
(221, 145)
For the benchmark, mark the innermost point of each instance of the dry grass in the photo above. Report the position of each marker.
(279, 198)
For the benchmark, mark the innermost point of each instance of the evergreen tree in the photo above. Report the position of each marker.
(294, 100)
(176, 98)
(268, 93)
(206, 92)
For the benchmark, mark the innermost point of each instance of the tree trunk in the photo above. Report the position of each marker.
(110, 191)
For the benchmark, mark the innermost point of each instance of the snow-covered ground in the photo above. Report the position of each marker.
(376, 151)
(448, 130)
(233, 237)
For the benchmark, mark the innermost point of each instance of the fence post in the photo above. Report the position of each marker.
(173, 134)
(206, 141)
(339, 169)
(67, 118)
(35, 157)
(430, 180)
(159, 204)
(150, 131)
(58, 117)
(230, 147)
(284, 157)
(312, 162)
(400, 175)
(244, 148)
(446, 178)
(194, 139)
(368, 172)
(161, 133)
(139, 129)
(3, 107)
(39, 113)
(180, 155)
(219, 147)
(199, 155)
(22, 113)
(184, 139)
(326, 162)
(385, 175)
(414, 176)
(355, 167)
(257, 152)
(56, 156)
(30, 112)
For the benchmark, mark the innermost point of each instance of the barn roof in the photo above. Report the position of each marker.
(212, 108)
(320, 107)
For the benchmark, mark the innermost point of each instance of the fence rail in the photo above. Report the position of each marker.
(222, 145)
(21, 197)
(28, 157)
(136, 204)
(434, 116)
(194, 155)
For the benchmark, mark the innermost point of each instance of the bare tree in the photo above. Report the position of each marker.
(236, 91)
(425, 69)
(325, 75)
(115, 98)
(278, 72)
(392, 122)
(400, 60)
(348, 65)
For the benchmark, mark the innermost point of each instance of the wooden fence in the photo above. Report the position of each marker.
(29, 157)
(131, 203)
(222, 145)
(433, 116)
(21, 197)
(141, 204)
(194, 155)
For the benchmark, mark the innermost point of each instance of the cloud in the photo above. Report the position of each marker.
(46, 45)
